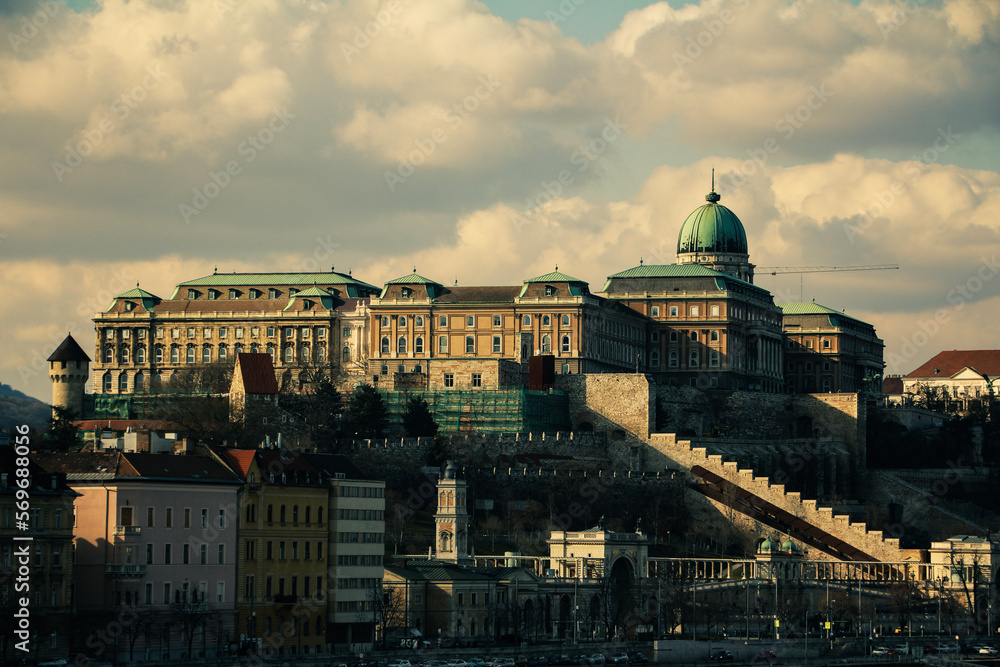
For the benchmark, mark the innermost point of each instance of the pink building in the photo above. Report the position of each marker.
(155, 551)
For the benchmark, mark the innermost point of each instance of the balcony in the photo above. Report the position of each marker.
(125, 571)
(127, 531)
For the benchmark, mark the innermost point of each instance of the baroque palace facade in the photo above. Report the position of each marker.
(700, 322)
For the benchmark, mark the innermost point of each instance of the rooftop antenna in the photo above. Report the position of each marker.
(713, 196)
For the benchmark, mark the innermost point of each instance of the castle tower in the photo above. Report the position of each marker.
(451, 521)
(69, 370)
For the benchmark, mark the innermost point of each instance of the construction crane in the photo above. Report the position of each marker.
(775, 270)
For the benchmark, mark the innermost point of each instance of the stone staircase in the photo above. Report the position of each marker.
(687, 454)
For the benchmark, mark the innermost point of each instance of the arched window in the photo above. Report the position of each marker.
(565, 346)
(223, 353)
(384, 345)
(713, 358)
(546, 343)
(714, 336)
(289, 354)
(321, 354)
(402, 321)
(140, 355)
(123, 383)
(526, 321)
(108, 386)
(281, 514)
(190, 356)
(418, 345)
(384, 370)
(158, 355)
(672, 359)
(206, 355)
(419, 322)
(546, 321)
(693, 360)
(140, 382)
(175, 355)
(254, 349)
(270, 513)
(319, 515)
(270, 351)
(109, 355)
(305, 354)
(295, 513)
(401, 345)
(673, 336)
(401, 368)
(345, 354)
(385, 322)
(308, 513)
(654, 359)
(565, 320)
(124, 354)
(694, 335)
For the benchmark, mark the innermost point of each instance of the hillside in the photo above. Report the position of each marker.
(17, 408)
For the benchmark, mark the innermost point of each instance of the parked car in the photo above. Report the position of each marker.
(949, 647)
(986, 649)
(638, 658)
(619, 658)
(721, 656)
(399, 663)
(766, 655)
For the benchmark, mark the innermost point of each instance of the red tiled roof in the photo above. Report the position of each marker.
(892, 385)
(946, 364)
(480, 294)
(257, 372)
(69, 350)
(239, 459)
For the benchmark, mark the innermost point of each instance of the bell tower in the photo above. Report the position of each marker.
(451, 521)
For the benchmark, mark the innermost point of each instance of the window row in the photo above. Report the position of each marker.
(283, 587)
(692, 311)
(41, 557)
(402, 321)
(235, 293)
(38, 518)
(361, 515)
(694, 359)
(128, 516)
(283, 514)
(190, 554)
(220, 332)
(181, 593)
(286, 550)
(362, 538)
(713, 336)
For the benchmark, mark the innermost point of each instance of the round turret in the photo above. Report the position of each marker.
(69, 370)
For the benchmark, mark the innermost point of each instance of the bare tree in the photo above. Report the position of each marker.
(388, 608)
(191, 611)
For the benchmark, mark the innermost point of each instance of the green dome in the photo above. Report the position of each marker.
(789, 546)
(766, 546)
(712, 228)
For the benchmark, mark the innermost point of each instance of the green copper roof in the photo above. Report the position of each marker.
(712, 228)
(555, 277)
(313, 291)
(412, 279)
(137, 294)
(252, 279)
(813, 308)
(669, 271)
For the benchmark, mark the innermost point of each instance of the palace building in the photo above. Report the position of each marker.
(700, 322)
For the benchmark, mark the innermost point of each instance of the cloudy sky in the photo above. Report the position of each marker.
(152, 141)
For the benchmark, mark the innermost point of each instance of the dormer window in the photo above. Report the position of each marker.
(192, 294)
(406, 292)
(254, 293)
(129, 306)
(292, 291)
(272, 293)
(307, 304)
(550, 290)
(213, 294)
(234, 294)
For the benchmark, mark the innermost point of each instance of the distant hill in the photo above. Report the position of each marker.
(7, 390)
(16, 408)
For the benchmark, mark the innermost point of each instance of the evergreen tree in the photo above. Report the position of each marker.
(418, 422)
(61, 434)
(369, 414)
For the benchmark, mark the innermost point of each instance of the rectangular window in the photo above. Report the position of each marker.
(496, 320)
(187, 517)
(203, 557)
(206, 333)
(295, 550)
(270, 550)
(167, 554)
(166, 593)
(149, 517)
(496, 345)
(470, 345)
(443, 321)
(319, 551)
(191, 332)
(321, 332)
(175, 333)
(695, 311)
(449, 379)
(149, 554)
(270, 332)
(307, 545)
(715, 311)
(673, 311)
(289, 332)
(306, 333)
(442, 344)
(223, 332)
(220, 591)
(222, 518)
(149, 594)
(186, 554)
(204, 518)
(281, 551)
(168, 519)
(655, 311)
(470, 322)
(477, 379)
(239, 332)
(251, 550)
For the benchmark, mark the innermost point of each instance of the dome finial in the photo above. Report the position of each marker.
(713, 196)
(640, 261)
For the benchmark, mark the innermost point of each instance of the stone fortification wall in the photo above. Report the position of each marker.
(610, 402)
(917, 514)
